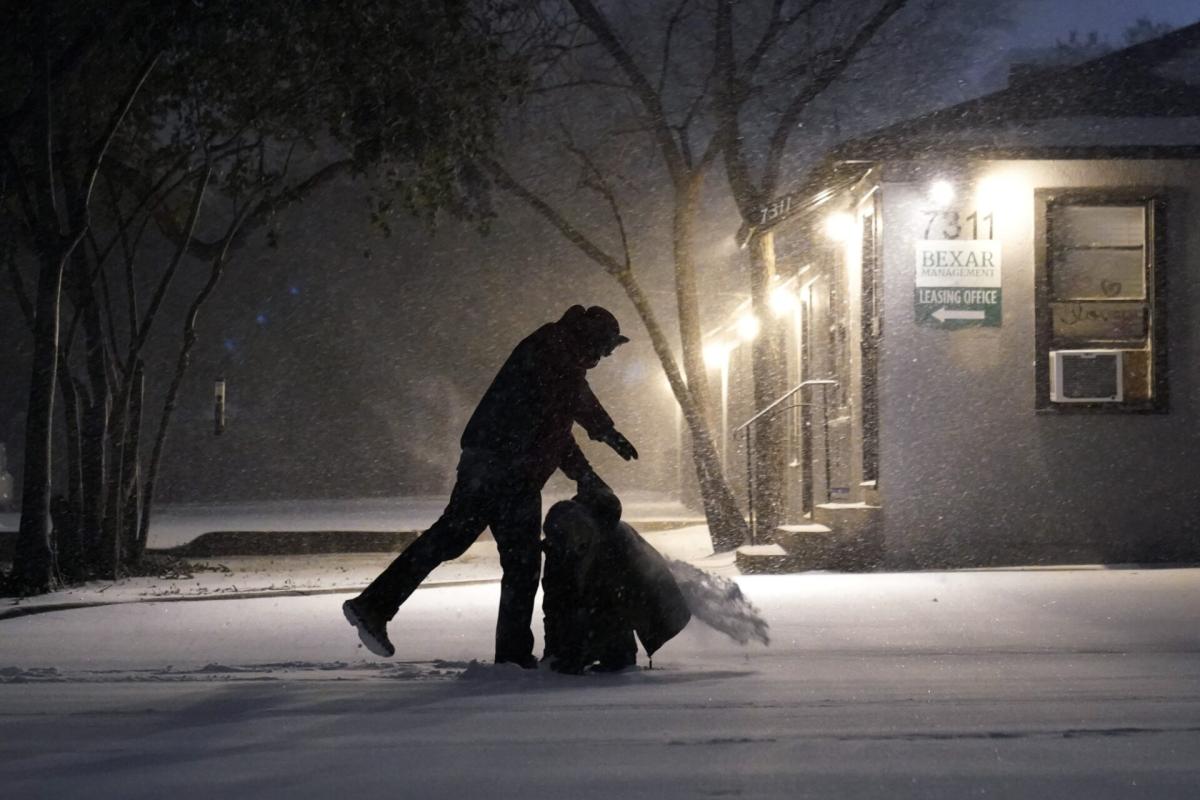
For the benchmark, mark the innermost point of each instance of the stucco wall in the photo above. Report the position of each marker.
(970, 473)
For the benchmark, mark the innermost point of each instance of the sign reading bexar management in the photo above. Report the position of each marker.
(958, 283)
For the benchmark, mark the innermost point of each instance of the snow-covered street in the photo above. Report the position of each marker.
(1040, 683)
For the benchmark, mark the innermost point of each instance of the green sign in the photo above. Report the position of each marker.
(958, 283)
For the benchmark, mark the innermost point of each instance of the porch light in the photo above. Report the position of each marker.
(839, 226)
(941, 193)
(782, 300)
(995, 192)
(715, 353)
(748, 327)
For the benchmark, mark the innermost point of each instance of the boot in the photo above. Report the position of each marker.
(372, 627)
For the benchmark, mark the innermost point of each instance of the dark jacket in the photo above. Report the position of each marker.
(527, 413)
(602, 583)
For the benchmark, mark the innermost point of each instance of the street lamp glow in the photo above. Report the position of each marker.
(941, 193)
(715, 353)
(748, 327)
(839, 226)
(782, 300)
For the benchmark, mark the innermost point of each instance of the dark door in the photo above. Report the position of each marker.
(872, 323)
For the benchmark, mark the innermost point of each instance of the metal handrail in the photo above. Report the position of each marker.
(766, 413)
(785, 396)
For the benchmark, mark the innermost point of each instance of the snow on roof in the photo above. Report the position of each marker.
(1147, 95)
(1093, 132)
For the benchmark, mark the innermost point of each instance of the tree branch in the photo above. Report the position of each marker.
(110, 132)
(599, 25)
(729, 104)
(776, 27)
(821, 81)
(160, 292)
(255, 218)
(599, 184)
(569, 232)
(72, 56)
(18, 284)
(676, 17)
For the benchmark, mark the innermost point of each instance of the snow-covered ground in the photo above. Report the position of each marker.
(177, 524)
(236, 576)
(1039, 683)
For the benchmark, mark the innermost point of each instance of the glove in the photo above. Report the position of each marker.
(620, 444)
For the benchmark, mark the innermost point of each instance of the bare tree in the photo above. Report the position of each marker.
(192, 121)
(596, 67)
(712, 68)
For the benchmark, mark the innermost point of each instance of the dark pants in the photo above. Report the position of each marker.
(488, 493)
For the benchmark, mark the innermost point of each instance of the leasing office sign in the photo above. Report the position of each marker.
(958, 283)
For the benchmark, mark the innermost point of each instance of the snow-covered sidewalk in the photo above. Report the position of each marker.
(1044, 683)
(179, 524)
(248, 576)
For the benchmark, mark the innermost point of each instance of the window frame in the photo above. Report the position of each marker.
(1155, 203)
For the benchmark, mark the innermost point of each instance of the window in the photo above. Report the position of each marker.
(1101, 287)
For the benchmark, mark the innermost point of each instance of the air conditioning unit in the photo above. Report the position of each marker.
(1086, 376)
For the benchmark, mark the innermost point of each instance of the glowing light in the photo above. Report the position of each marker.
(748, 327)
(839, 226)
(782, 300)
(941, 193)
(715, 353)
(995, 192)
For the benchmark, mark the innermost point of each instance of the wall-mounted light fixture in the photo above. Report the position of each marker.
(782, 300)
(748, 327)
(941, 193)
(716, 352)
(839, 226)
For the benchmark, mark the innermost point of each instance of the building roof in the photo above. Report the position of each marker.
(1142, 99)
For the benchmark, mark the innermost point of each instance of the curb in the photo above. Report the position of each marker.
(16, 612)
(220, 543)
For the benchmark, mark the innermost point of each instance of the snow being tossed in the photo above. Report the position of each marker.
(719, 603)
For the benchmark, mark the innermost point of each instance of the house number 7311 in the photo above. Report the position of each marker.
(944, 224)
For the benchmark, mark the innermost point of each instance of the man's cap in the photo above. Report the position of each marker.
(595, 325)
(605, 327)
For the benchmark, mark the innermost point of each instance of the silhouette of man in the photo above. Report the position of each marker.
(519, 434)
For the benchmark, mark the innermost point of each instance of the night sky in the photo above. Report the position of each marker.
(1044, 21)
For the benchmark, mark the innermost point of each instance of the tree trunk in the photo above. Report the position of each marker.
(72, 556)
(33, 559)
(129, 500)
(686, 296)
(726, 526)
(96, 412)
(769, 373)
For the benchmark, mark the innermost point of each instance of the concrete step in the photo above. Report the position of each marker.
(848, 518)
(766, 559)
(843, 536)
(869, 492)
(812, 544)
(859, 533)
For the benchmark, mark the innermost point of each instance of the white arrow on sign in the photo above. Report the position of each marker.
(943, 314)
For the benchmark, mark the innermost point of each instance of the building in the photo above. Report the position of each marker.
(1004, 292)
